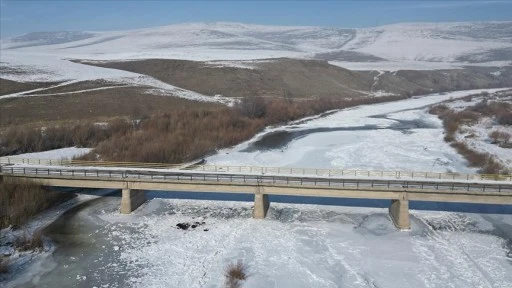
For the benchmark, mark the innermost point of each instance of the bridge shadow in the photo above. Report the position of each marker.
(350, 202)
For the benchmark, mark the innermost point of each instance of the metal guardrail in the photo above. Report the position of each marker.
(264, 170)
(471, 188)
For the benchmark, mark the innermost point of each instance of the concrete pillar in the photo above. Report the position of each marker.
(261, 205)
(131, 200)
(399, 212)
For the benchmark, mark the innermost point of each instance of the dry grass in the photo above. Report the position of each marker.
(235, 274)
(26, 242)
(93, 106)
(21, 199)
(8, 86)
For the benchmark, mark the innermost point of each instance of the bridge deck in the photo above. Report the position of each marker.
(198, 181)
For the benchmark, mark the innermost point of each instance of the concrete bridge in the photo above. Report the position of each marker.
(134, 181)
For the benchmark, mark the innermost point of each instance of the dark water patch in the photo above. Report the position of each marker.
(84, 248)
(280, 139)
(401, 124)
(66, 232)
(200, 196)
(461, 207)
(331, 201)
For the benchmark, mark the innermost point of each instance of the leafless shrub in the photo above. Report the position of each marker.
(4, 265)
(21, 199)
(438, 109)
(504, 117)
(253, 107)
(26, 242)
(500, 137)
(235, 274)
(484, 161)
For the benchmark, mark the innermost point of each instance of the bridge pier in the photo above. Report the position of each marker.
(399, 212)
(261, 205)
(131, 200)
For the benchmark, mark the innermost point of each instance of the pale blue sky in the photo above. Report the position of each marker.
(18, 17)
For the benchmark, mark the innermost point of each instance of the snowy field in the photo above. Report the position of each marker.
(416, 46)
(58, 154)
(399, 135)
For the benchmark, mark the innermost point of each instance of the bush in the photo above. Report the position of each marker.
(26, 242)
(4, 265)
(504, 118)
(235, 274)
(253, 107)
(484, 161)
(500, 137)
(21, 199)
(438, 109)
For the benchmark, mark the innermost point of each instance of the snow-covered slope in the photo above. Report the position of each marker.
(44, 56)
(444, 42)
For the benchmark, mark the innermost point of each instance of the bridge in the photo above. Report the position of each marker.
(135, 178)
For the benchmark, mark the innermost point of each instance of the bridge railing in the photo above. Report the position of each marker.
(358, 184)
(262, 169)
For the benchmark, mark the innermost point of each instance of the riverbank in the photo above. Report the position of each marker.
(20, 263)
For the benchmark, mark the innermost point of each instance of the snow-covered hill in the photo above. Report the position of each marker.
(441, 42)
(43, 56)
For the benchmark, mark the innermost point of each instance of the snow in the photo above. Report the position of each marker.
(395, 65)
(307, 246)
(62, 153)
(358, 146)
(403, 46)
(54, 68)
(419, 42)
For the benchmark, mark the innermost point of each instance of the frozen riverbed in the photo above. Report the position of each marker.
(397, 135)
(296, 246)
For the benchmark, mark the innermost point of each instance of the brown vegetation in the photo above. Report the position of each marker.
(93, 106)
(482, 160)
(500, 137)
(295, 78)
(235, 274)
(4, 265)
(177, 137)
(26, 242)
(21, 199)
(452, 120)
(9, 86)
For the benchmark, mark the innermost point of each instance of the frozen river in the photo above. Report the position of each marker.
(392, 136)
(298, 245)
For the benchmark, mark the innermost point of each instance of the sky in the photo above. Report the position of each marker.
(19, 17)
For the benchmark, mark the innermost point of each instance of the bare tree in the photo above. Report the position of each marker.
(253, 107)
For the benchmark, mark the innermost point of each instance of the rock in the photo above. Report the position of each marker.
(183, 226)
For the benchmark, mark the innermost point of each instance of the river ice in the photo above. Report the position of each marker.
(398, 135)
